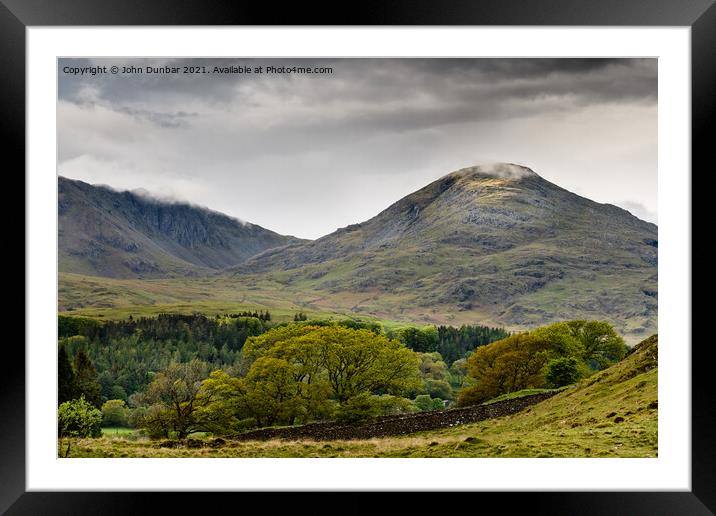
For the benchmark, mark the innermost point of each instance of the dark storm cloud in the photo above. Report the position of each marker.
(454, 83)
(206, 137)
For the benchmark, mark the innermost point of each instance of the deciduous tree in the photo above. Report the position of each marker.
(115, 413)
(174, 399)
(507, 365)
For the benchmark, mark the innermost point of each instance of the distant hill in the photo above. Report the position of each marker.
(103, 232)
(490, 243)
(494, 244)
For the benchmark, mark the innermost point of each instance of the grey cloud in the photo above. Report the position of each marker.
(387, 95)
(176, 119)
(351, 142)
(387, 80)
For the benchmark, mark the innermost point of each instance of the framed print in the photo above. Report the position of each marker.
(417, 250)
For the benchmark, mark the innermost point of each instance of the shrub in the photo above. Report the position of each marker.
(437, 404)
(78, 418)
(424, 402)
(390, 405)
(359, 408)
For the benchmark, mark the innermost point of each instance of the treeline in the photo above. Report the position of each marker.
(126, 365)
(127, 353)
(264, 316)
(452, 343)
(230, 331)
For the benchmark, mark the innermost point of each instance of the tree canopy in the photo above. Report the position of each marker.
(550, 356)
(174, 399)
(350, 361)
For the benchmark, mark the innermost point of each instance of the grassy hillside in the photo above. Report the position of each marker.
(611, 414)
(114, 299)
(117, 298)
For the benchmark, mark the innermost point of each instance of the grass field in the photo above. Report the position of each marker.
(285, 293)
(611, 414)
(121, 296)
(118, 432)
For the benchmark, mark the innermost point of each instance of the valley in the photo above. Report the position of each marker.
(490, 313)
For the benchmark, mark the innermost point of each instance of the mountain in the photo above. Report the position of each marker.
(103, 232)
(494, 243)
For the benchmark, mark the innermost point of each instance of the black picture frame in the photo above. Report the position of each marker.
(700, 15)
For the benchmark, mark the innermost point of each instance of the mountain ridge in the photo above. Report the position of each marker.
(124, 234)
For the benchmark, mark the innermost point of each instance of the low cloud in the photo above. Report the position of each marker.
(502, 170)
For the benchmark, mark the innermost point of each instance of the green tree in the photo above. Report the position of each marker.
(458, 374)
(562, 371)
(596, 343)
(422, 340)
(602, 345)
(136, 417)
(86, 379)
(117, 392)
(115, 413)
(260, 345)
(173, 400)
(66, 387)
(436, 376)
(439, 389)
(270, 392)
(68, 326)
(358, 361)
(561, 340)
(300, 372)
(77, 418)
(349, 361)
(504, 366)
(217, 410)
(433, 367)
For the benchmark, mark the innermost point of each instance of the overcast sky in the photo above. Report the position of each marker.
(306, 154)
